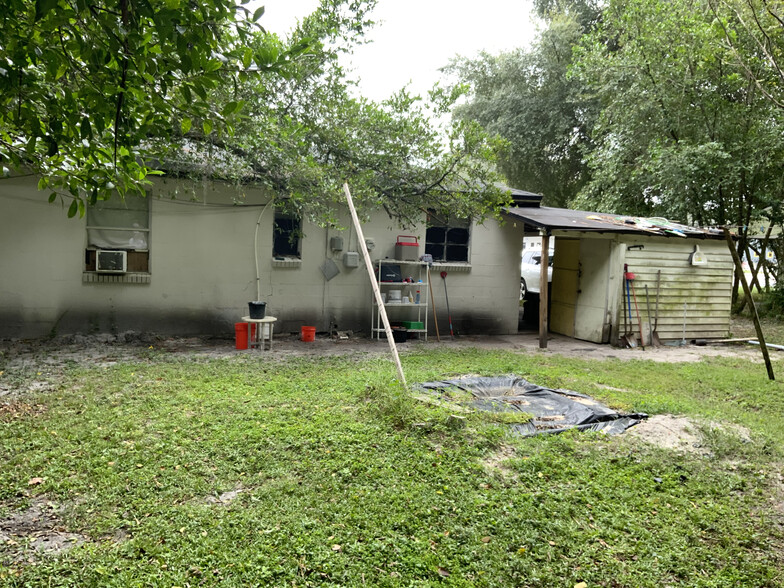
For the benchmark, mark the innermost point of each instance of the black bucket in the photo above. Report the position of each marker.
(257, 309)
(400, 335)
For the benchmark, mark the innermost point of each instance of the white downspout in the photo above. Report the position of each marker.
(256, 250)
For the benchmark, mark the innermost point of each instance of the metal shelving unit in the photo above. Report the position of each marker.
(405, 310)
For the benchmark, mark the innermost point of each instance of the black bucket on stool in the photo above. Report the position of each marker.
(257, 310)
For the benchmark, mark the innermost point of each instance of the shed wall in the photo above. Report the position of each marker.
(698, 297)
(578, 295)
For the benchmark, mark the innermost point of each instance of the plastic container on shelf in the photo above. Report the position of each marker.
(407, 248)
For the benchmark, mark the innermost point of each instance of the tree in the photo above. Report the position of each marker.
(585, 13)
(754, 29)
(98, 95)
(85, 83)
(304, 133)
(684, 132)
(527, 98)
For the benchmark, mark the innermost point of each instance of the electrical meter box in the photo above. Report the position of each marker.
(336, 243)
(351, 259)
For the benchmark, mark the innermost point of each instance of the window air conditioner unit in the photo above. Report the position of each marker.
(111, 262)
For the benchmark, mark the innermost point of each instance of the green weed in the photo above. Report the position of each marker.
(322, 472)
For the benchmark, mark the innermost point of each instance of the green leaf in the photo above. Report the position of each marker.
(247, 57)
(73, 209)
(185, 125)
(213, 65)
(257, 15)
(52, 197)
(199, 89)
(207, 126)
(43, 7)
(267, 56)
(86, 129)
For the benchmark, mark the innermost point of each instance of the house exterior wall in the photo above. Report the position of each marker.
(594, 308)
(486, 298)
(203, 270)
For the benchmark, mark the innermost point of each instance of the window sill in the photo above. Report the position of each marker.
(129, 278)
(287, 262)
(453, 266)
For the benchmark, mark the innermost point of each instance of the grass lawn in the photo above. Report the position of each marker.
(254, 472)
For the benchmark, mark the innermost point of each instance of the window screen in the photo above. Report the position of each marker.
(119, 223)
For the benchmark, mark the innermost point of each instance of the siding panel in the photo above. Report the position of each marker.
(705, 290)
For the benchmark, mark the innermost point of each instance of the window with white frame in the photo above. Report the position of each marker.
(118, 225)
(447, 238)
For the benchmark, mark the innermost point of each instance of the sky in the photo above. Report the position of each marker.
(414, 38)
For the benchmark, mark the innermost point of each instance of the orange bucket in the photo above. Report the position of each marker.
(308, 334)
(241, 334)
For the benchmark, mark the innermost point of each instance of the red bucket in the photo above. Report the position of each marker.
(308, 334)
(241, 334)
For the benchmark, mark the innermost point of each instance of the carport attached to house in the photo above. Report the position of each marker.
(588, 297)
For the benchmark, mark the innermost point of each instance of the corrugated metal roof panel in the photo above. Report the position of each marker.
(546, 217)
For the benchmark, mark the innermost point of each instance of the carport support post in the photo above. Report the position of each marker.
(544, 294)
(749, 301)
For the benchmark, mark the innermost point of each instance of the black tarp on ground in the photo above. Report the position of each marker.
(554, 411)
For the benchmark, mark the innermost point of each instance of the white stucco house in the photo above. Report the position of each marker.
(194, 256)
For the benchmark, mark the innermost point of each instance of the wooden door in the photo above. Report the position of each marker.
(563, 297)
(591, 320)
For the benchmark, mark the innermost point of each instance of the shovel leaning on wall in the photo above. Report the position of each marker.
(628, 338)
(654, 339)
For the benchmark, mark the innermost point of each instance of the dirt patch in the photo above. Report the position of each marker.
(496, 462)
(669, 432)
(28, 534)
(680, 433)
(226, 498)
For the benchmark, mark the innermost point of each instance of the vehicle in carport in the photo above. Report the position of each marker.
(530, 271)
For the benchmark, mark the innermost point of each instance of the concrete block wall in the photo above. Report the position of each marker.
(203, 270)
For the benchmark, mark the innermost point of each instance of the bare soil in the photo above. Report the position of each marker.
(109, 349)
(35, 531)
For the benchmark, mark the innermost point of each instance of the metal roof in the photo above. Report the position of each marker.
(545, 217)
